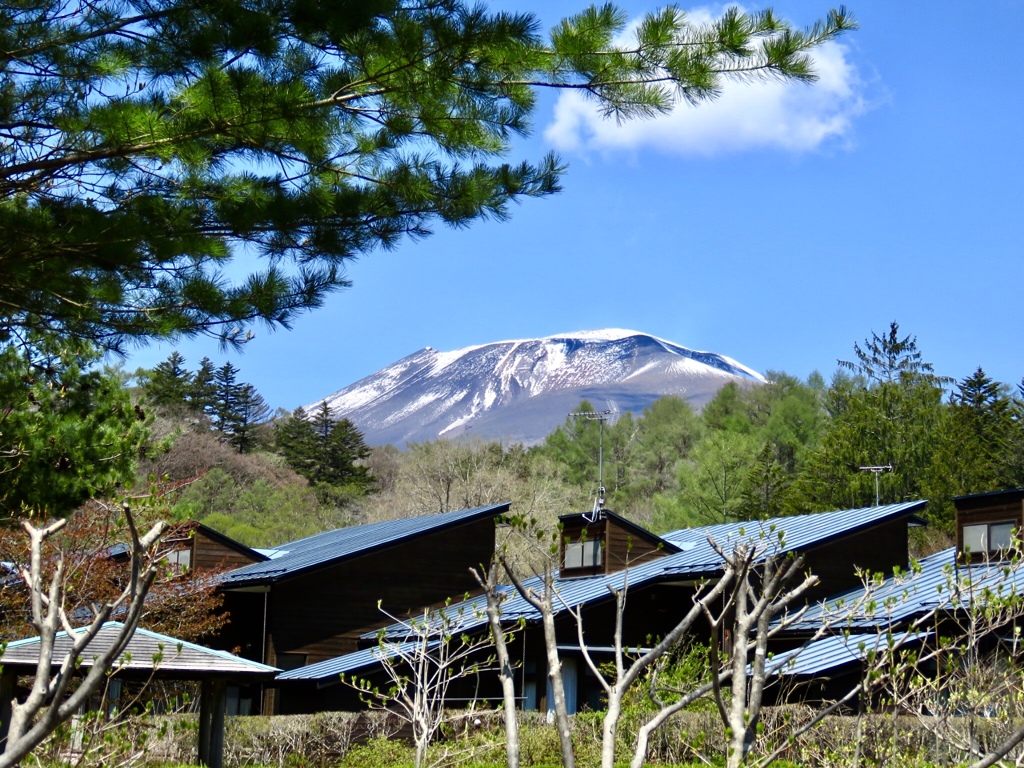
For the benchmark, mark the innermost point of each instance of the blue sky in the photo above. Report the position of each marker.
(777, 226)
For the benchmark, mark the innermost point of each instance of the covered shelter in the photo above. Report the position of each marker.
(147, 655)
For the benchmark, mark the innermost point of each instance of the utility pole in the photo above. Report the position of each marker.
(876, 471)
(601, 417)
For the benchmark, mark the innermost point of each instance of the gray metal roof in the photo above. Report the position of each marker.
(350, 662)
(697, 559)
(146, 651)
(334, 546)
(918, 591)
(836, 651)
(801, 531)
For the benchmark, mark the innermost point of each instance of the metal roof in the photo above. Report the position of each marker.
(697, 560)
(351, 662)
(146, 651)
(836, 651)
(334, 546)
(918, 591)
(801, 531)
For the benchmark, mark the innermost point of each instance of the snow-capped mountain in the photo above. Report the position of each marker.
(519, 391)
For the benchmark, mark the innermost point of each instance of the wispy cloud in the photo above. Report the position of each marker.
(747, 116)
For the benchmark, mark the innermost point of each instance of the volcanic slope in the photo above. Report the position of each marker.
(519, 391)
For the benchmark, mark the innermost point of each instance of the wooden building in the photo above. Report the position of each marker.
(313, 599)
(599, 553)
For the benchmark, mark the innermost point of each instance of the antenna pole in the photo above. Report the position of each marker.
(876, 471)
(601, 417)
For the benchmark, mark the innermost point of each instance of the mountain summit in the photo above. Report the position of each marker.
(519, 391)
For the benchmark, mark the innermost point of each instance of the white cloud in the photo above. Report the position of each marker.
(788, 116)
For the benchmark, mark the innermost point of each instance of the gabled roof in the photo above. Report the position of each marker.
(696, 560)
(621, 522)
(350, 662)
(333, 547)
(830, 653)
(146, 651)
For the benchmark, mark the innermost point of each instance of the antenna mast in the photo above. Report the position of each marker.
(876, 471)
(601, 417)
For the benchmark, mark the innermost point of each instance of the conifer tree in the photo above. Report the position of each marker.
(225, 401)
(170, 383)
(148, 146)
(67, 430)
(974, 446)
(325, 451)
(887, 414)
(250, 413)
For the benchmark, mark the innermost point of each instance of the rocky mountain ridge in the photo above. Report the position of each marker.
(519, 391)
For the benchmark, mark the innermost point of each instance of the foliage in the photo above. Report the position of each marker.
(325, 451)
(148, 146)
(181, 603)
(213, 396)
(886, 415)
(257, 513)
(422, 657)
(68, 431)
(974, 446)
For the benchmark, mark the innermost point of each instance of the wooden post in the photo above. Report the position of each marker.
(205, 721)
(8, 682)
(218, 705)
(212, 704)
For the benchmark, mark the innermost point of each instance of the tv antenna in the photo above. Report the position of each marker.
(876, 471)
(601, 417)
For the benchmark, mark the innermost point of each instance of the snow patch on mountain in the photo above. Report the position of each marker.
(521, 389)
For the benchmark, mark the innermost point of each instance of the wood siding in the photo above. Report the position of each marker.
(323, 613)
(1006, 512)
(210, 553)
(621, 547)
(876, 550)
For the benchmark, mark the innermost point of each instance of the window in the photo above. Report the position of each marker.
(180, 557)
(583, 554)
(988, 537)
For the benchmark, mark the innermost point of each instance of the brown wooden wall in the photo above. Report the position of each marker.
(1011, 511)
(323, 613)
(877, 550)
(210, 553)
(623, 547)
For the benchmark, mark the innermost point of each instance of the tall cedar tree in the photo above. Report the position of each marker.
(323, 450)
(974, 446)
(149, 146)
(170, 383)
(887, 414)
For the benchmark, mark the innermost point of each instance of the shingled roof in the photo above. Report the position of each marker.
(146, 652)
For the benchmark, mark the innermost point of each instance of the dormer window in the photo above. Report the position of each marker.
(982, 538)
(582, 554)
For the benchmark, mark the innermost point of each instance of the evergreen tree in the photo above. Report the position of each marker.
(887, 414)
(974, 446)
(170, 383)
(250, 413)
(144, 143)
(203, 393)
(67, 430)
(225, 400)
(324, 451)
